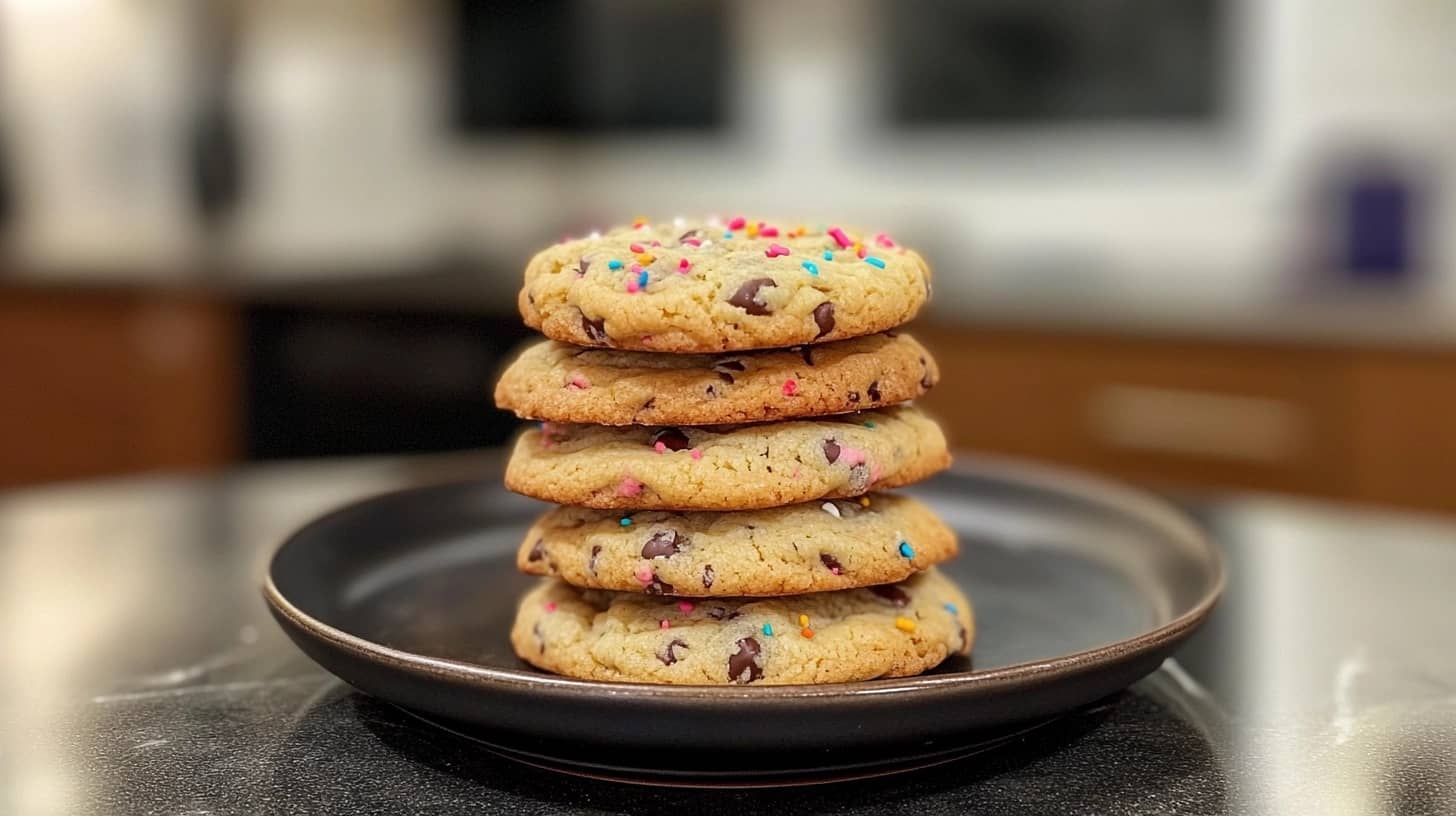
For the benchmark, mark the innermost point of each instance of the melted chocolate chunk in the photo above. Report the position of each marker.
(668, 655)
(724, 370)
(831, 451)
(831, 563)
(538, 551)
(692, 233)
(746, 298)
(718, 612)
(662, 544)
(874, 391)
(824, 318)
(808, 354)
(891, 593)
(596, 330)
(659, 587)
(581, 266)
(591, 563)
(708, 576)
(745, 665)
(672, 439)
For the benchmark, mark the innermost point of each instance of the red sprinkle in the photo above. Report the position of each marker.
(664, 624)
(884, 241)
(768, 232)
(775, 250)
(696, 242)
(685, 607)
(860, 252)
(737, 223)
(840, 238)
(550, 606)
(636, 247)
(684, 265)
(790, 388)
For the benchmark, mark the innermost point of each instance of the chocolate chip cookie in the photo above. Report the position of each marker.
(892, 630)
(561, 383)
(879, 538)
(720, 286)
(726, 467)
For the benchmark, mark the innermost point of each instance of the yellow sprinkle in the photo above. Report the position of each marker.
(752, 230)
(857, 247)
(904, 624)
(803, 620)
(864, 501)
(646, 258)
(639, 221)
(800, 230)
(807, 632)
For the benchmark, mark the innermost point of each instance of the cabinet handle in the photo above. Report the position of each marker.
(1198, 423)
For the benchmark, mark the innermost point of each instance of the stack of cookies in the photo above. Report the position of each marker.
(719, 402)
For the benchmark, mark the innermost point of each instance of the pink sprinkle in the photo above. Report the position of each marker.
(861, 252)
(656, 243)
(696, 454)
(635, 269)
(550, 606)
(646, 339)
(578, 382)
(660, 447)
(629, 487)
(685, 607)
(884, 241)
(775, 250)
(632, 285)
(644, 574)
(840, 238)
(790, 388)
(768, 232)
(696, 242)
(851, 456)
(664, 624)
(636, 247)
(684, 265)
(834, 570)
(737, 223)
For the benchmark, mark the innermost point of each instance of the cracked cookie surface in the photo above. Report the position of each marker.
(893, 630)
(879, 538)
(726, 467)
(726, 286)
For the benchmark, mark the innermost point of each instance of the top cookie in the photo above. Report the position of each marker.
(721, 286)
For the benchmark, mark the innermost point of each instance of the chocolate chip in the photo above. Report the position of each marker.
(538, 551)
(672, 439)
(722, 369)
(831, 451)
(708, 576)
(745, 665)
(530, 298)
(668, 655)
(540, 638)
(831, 563)
(659, 587)
(874, 391)
(581, 265)
(591, 563)
(651, 401)
(596, 330)
(891, 593)
(712, 392)
(692, 233)
(662, 544)
(746, 298)
(892, 334)
(808, 354)
(925, 381)
(854, 396)
(725, 377)
(824, 318)
(718, 612)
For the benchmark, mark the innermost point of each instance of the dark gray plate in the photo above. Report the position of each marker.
(1080, 588)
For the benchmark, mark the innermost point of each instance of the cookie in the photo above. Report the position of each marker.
(726, 467)
(892, 630)
(876, 539)
(561, 383)
(721, 286)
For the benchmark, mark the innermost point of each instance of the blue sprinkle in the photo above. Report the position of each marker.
(614, 264)
(875, 262)
(907, 550)
(727, 235)
(810, 267)
(869, 425)
(951, 608)
(768, 629)
(828, 256)
(642, 279)
(625, 522)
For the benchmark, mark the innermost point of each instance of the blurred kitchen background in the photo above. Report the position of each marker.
(1199, 244)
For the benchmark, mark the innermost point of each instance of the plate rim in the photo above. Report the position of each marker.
(1133, 501)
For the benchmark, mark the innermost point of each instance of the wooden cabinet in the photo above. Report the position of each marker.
(95, 383)
(1404, 406)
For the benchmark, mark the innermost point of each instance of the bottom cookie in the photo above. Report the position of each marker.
(892, 630)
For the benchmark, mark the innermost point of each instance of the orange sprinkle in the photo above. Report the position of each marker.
(752, 230)
(639, 221)
(864, 501)
(804, 620)
(807, 632)
(904, 624)
(646, 258)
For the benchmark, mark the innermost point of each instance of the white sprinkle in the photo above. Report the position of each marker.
(595, 234)
(705, 244)
(679, 222)
(832, 509)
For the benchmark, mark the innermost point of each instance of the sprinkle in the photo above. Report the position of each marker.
(665, 624)
(832, 509)
(678, 222)
(684, 265)
(907, 550)
(643, 574)
(737, 223)
(727, 235)
(902, 623)
(636, 248)
(839, 237)
(696, 454)
(595, 234)
(811, 268)
(864, 501)
(951, 608)
(753, 230)
(828, 256)
(685, 607)
(875, 262)
(768, 232)
(629, 487)
(706, 243)
(807, 632)
(625, 522)
(642, 279)
(869, 424)
(614, 264)
(578, 382)
(660, 447)
(859, 249)
(884, 241)
(775, 250)
(791, 387)
(803, 620)
(639, 222)
(768, 629)
(550, 606)
(633, 285)
(646, 258)
(656, 243)
(693, 242)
